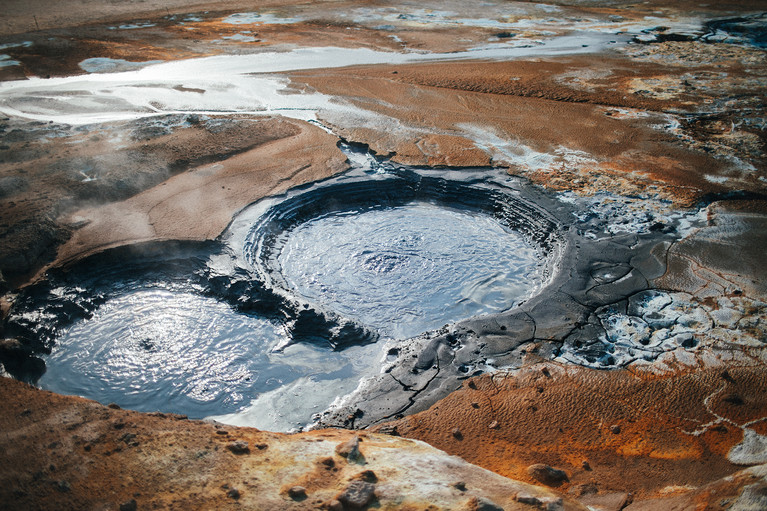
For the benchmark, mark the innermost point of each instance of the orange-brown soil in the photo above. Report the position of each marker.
(67, 453)
(200, 203)
(600, 135)
(88, 184)
(610, 431)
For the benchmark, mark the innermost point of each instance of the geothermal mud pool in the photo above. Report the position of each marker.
(312, 293)
(530, 235)
(393, 254)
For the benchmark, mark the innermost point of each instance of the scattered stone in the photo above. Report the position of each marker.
(238, 447)
(585, 465)
(63, 486)
(547, 475)
(615, 429)
(335, 505)
(358, 494)
(128, 438)
(233, 493)
(328, 462)
(456, 432)
(118, 424)
(367, 475)
(114, 406)
(580, 490)
(261, 447)
(389, 429)
(475, 405)
(130, 505)
(460, 486)
(222, 432)
(608, 501)
(483, 504)
(527, 499)
(350, 449)
(494, 425)
(297, 493)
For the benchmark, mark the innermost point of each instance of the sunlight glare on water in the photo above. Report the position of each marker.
(158, 349)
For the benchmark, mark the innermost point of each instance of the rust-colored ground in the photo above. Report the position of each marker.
(587, 124)
(67, 453)
(585, 114)
(610, 431)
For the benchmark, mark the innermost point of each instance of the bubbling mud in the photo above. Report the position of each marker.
(408, 269)
(401, 253)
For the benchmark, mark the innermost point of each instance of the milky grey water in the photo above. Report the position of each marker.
(409, 269)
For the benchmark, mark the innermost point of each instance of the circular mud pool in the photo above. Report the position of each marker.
(400, 254)
(155, 348)
(408, 269)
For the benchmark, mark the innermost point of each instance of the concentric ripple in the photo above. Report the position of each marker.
(409, 269)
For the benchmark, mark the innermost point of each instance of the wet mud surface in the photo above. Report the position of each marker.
(165, 172)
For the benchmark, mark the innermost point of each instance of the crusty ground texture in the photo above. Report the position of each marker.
(59, 452)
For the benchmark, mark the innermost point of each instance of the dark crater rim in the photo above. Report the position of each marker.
(263, 227)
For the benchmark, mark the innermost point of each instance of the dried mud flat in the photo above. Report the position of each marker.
(635, 381)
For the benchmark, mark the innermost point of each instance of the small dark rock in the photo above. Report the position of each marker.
(261, 447)
(460, 486)
(586, 465)
(615, 429)
(389, 429)
(238, 447)
(128, 438)
(483, 504)
(297, 493)
(222, 432)
(357, 495)
(63, 486)
(367, 475)
(130, 505)
(328, 462)
(547, 475)
(527, 499)
(350, 449)
(114, 406)
(335, 505)
(233, 493)
(456, 432)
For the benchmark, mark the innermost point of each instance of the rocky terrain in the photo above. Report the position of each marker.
(634, 380)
